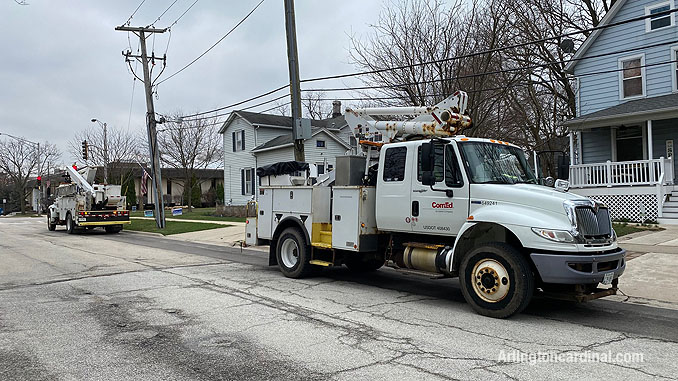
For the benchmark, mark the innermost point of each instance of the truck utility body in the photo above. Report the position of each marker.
(80, 204)
(446, 206)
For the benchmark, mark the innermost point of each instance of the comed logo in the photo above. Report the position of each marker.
(444, 205)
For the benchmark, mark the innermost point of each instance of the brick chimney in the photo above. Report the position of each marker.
(336, 109)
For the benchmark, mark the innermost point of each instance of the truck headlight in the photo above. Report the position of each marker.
(554, 235)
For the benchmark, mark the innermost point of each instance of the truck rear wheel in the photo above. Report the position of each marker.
(51, 226)
(70, 224)
(496, 280)
(293, 254)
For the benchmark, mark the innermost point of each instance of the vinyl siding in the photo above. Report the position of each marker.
(596, 145)
(601, 91)
(235, 161)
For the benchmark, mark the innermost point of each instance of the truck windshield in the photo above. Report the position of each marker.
(490, 163)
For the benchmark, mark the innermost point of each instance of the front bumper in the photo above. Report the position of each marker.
(579, 269)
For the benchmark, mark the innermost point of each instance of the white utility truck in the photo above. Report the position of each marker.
(427, 200)
(82, 204)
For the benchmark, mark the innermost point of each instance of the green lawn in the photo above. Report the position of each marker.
(624, 228)
(203, 214)
(172, 227)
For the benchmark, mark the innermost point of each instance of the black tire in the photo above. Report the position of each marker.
(293, 254)
(70, 224)
(496, 280)
(50, 225)
(112, 229)
(361, 264)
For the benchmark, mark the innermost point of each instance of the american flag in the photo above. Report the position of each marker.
(144, 180)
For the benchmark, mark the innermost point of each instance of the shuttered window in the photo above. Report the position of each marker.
(247, 184)
(238, 138)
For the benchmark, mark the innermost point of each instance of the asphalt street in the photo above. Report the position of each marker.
(137, 306)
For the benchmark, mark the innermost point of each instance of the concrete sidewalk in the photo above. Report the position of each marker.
(650, 276)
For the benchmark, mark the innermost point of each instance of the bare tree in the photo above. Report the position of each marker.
(188, 146)
(315, 106)
(123, 147)
(20, 160)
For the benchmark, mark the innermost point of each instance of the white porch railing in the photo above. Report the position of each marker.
(622, 173)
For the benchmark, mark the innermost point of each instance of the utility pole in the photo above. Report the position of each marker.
(295, 88)
(150, 117)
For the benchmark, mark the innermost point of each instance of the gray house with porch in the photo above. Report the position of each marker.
(622, 140)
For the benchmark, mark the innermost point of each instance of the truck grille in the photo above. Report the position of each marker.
(592, 223)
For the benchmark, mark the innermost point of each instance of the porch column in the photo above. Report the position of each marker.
(571, 148)
(650, 154)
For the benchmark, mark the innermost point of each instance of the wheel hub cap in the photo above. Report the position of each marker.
(289, 253)
(490, 280)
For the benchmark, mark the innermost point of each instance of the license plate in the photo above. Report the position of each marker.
(607, 279)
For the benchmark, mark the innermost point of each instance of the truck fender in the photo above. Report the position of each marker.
(455, 255)
(284, 224)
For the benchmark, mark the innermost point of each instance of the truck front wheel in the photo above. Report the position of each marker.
(496, 280)
(293, 254)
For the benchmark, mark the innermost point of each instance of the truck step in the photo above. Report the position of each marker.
(322, 245)
(318, 262)
(420, 245)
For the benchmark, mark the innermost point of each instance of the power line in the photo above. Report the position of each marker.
(135, 12)
(523, 44)
(239, 103)
(183, 119)
(162, 14)
(443, 60)
(215, 44)
(182, 15)
(502, 71)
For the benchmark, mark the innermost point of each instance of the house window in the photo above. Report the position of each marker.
(330, 167)
(674, 65)
(321, 168)
(631, 77)
(247, 181)
(320, 143)
(169, 187)
(661, 20)
(394, 164)
(238, 140)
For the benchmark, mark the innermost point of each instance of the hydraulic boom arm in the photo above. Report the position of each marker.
(447, 118)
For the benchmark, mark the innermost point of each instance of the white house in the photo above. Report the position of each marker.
(622, 139)
(252, 140)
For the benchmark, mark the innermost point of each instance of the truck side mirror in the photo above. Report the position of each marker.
(427, 164)
(564, 167)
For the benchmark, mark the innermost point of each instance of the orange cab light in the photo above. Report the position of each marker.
(464, 139)
(470, 218)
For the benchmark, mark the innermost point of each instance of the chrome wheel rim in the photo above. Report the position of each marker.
(289, 253)
(490, 280)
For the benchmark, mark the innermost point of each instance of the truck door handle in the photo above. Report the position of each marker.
(415, 208)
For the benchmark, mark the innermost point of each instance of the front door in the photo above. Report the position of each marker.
(443, 209)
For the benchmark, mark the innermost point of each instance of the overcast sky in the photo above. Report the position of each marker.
(61, 63)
